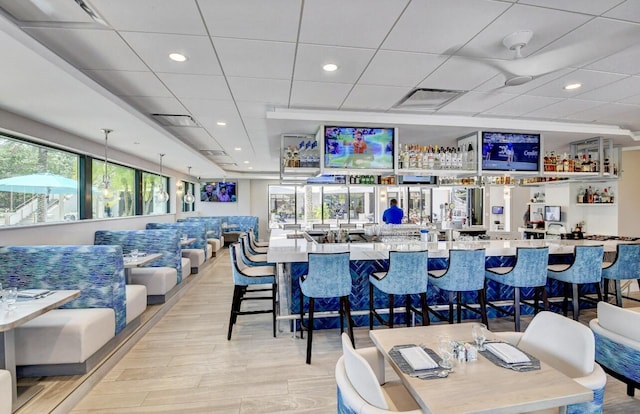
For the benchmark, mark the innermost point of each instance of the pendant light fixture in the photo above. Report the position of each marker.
(106, 193)
(188, 197)
(162, 196)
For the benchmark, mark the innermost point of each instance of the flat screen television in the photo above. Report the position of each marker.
(219, 192)
(551, 213)
(497, 210)
(418, 179)
(510, 151)
(358, 147)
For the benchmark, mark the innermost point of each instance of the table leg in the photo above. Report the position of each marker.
(127, 275)
(8, 361)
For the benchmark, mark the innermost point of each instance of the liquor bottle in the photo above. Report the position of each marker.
(565, 162)
(607, 166)
(577, 167)
(546, 162)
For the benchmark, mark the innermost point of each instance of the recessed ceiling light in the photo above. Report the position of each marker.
(250, 168)
(178, 57)
(238, 148)
(246, 162)
(330, 67)
(221, 123)
(572, 86)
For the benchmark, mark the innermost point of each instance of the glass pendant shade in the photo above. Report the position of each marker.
(106, 193)
(188, 197)
(162, 196)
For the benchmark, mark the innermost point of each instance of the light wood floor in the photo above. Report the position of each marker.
(184, 363)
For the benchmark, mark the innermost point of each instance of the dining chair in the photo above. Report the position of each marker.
(464, 273)
(360, 379)
(406, 276)
(292, 226)
(626, 266)
(245, 277)
(569, 347)
(321, 226)
(328, 277)
(529, 271)
(585, 268)
(6, 391)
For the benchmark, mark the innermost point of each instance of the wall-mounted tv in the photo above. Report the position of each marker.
(510, 151)
(552, 213)
(497, 209)
(219, 192)
(358, 147)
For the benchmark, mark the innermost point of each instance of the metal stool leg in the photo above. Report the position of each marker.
(310, 330)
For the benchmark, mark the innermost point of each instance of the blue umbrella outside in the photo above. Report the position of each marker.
(45, 183)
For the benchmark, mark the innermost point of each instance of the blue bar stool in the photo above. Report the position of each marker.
(328, 277)
(626, 266)
(586, 268)
(465, 273)
(248, 258)
(245, 276)
(407, 275)
(255, 242)
(529, 271)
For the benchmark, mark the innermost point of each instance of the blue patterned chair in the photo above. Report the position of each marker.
(328, 277)
(198, 251)
(159, 276)
(567, 346)
(407, 275)
(585, 268)
(245, 277)
(64, 341)
(626, 266)
(529, 271)
(617, 333)
(464, 273)
(362, 388)
(214, 231)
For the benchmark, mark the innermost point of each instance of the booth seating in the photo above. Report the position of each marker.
(5, 392)
(214, 232)
(198, 251)
(617, 333)
(160, 276)
(70, 340)
(234, 226)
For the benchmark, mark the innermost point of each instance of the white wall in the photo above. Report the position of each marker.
(628, 196)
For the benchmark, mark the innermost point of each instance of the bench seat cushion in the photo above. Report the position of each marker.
(64, 336)
(186, 267)
(136, 301)
(196, 256)
(215, 244)
(158, 280)
(5, 392)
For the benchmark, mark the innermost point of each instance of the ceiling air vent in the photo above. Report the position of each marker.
(214, 153)
(427, 98)
(175, 120)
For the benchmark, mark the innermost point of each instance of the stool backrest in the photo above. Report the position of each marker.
(587, 264)
(328, 276)
(466, 270)
(627, 264)
(407, 272)
(531, 266)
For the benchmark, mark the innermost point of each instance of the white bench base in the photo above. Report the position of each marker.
(158, 281)
(136, 301)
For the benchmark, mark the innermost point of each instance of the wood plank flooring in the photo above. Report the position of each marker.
(184, 363)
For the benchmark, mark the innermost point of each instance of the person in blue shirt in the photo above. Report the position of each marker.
(394, 214)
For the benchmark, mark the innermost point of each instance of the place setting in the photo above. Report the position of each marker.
(502, 353)
(421, 362)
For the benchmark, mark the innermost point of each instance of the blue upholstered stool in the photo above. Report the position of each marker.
(328, 277)
(255, 244)
(626, 266)
(529, 271)
(245, 276)
(465, 273)
(586, 268)
(248, 258)
(407, 275)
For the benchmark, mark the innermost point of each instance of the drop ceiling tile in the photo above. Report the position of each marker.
(157, 105)
(521, 105)
(609, 113)
(459, 73)
(152, 15)
(614, 92)
(356, 23)
(590, 80)
(400, 68)
(154, 49)
(497, 82)
(563, 109)
(634, 100)
(273, 60)
(310, 59)
(197, 138)
(252, 19)
(625, 61)
(127, 83)
(474, 102)
(318, 94)
(208, 112)
(251, 109)
(436, 19)
(272, 91)
(372, 97)
(89, 49)
(196, 86)
(629, 10)
(589, 7)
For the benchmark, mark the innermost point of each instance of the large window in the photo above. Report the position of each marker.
(113, 193)
(37, 184)
(152, 187)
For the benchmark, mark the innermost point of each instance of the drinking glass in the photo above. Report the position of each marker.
(10, 297)
(479, 332)
(446, 351)
(134, 254)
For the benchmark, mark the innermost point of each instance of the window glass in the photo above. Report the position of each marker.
(37, 184)
(113, 190)
(335, 204)
(362, 204)
(282, 205)
(152, 187)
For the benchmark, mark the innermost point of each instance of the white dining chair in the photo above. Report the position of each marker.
(5, 392)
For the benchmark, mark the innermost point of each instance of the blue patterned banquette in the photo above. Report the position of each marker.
(189, 229)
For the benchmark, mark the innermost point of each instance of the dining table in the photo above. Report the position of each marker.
(25, 310)
(140, 260)
(478, 386)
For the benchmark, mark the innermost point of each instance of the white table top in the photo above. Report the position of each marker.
(479, 386)
(27, 309)
(187, 241)
(141, 260)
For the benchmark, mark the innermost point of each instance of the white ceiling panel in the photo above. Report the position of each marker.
(311, 58)
(563, 109)
(614, 92)
(459, 74)
(273, 60)
(355, 23)
(625, 61)
(385, 70)
(629, 10)
(318, 94)
(152, 15)
(208, 112)
(126, 83)
(634, 100)
(607, 113)
(272, 91)
(473, 102)
(90, 49)
(372, 97)
(196, 86)
(252, 19)
(154, 49)
(521, 105)
(252, 109)
(199, 138)
(589, 79)
(157, 105)
(426, 26)
(589, 7)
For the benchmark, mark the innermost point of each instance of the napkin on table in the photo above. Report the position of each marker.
(507, 352)
(417, 358)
